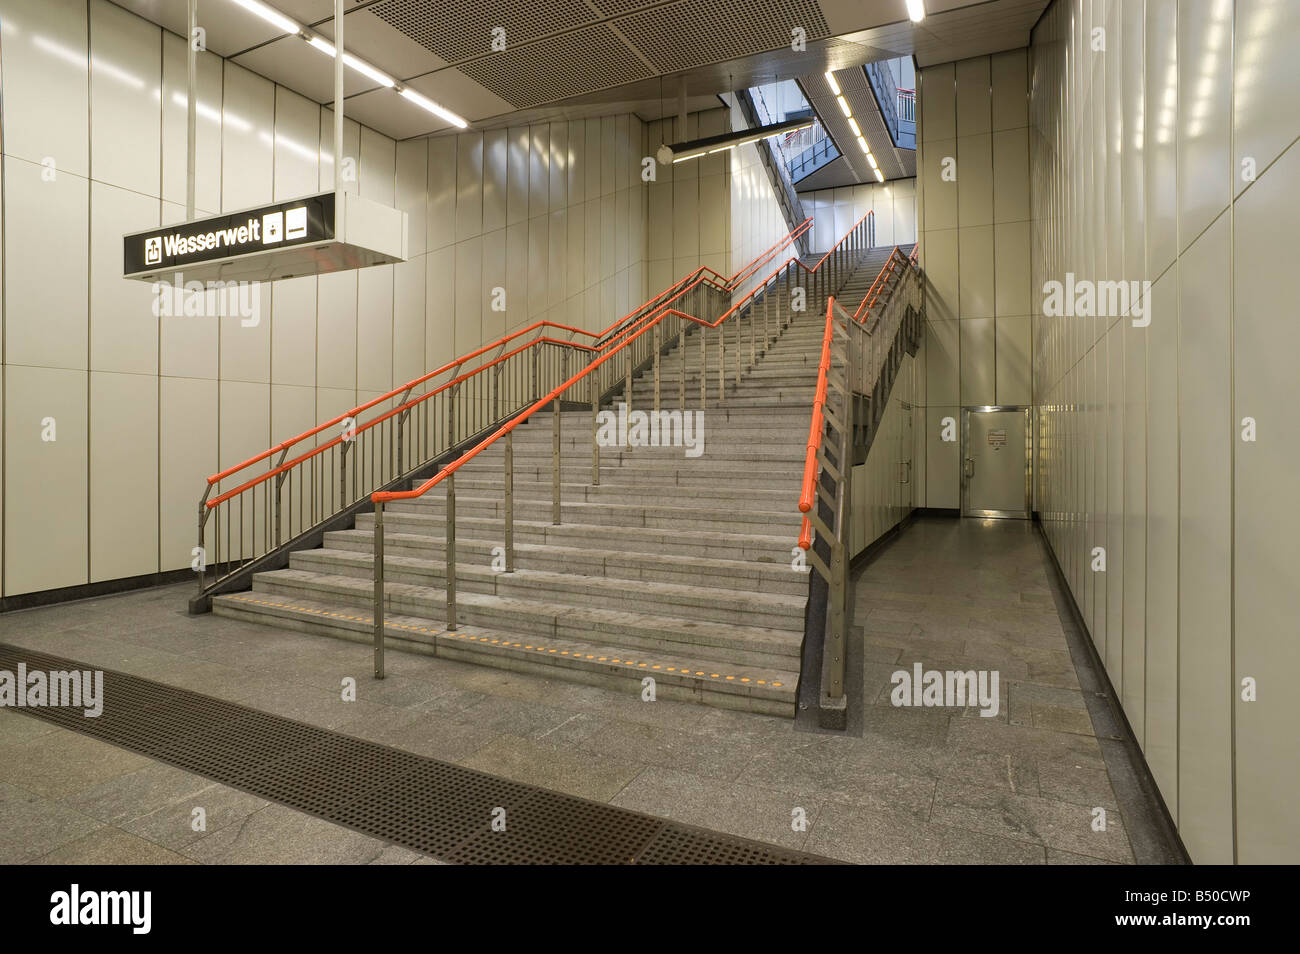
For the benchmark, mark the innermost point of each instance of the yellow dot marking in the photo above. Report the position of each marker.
(502, 642)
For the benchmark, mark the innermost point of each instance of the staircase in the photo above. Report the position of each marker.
(674, 567)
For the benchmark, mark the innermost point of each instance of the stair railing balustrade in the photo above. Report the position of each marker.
(860, 357)
(701, 308)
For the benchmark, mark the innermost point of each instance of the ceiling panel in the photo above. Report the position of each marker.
(293, 62)
(563, 66)
(377, 42)
(579, 57)
(690, 33)
(456, 30)
(230, 28)
(454, 90)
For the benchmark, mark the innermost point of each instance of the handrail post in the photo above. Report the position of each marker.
(767, 316)
(704, 366)
(682, 328)
(739, 347)
(753, 322)
(722, 363)
(510, 500)
(595, 430)
(451, 551)
(343, 473)
(658, 347)
(378, 610)
(203, 552)
(555, 461)
(496, 392)
(452, 394)
(627, 388)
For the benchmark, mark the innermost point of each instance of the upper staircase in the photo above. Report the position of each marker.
(676, 566)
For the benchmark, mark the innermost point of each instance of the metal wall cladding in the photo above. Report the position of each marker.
(145, 407)
(1167, 158)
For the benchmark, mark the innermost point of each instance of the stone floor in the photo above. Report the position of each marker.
(919, 785)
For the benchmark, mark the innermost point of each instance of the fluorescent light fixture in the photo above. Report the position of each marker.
(916, 10)
(872, 159)
(863, 143)
(682, 151)
(273, 17)
(830, 80)
(844, 105)
(361, 66)
(880, 176)
(853, 124)
(425, 103)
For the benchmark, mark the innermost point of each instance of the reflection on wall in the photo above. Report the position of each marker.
(1169, 158)
(146, 407)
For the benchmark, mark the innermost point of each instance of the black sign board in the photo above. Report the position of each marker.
(264, 229)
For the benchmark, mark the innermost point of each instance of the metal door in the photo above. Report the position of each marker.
(995, 462)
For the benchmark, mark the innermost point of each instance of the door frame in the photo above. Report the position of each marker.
(966, 412)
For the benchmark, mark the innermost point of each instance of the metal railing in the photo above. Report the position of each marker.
(860, 357)
(700, 310)
(907, 105)
(286, 497)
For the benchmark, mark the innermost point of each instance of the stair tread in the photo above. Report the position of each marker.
(663, 665)
(761, 638)
(675, 560)
(523, 577)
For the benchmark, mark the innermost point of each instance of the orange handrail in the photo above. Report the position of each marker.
(792, 260)
(631, 336)
(869, 299)
(807, 490)
(807, 494)
(321, 448)
(702, 274)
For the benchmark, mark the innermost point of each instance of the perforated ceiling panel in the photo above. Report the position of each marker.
(613, 8)
(566, 65)
(455, 31)
(690, 33)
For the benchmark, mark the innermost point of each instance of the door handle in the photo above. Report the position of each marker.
(970, 466)
(907, 472)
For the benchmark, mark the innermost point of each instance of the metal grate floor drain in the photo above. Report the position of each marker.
(419, 803)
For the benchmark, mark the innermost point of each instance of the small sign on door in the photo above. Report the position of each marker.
(997, 438)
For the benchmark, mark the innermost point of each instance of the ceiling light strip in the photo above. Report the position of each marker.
(374, 74)
(848, 113)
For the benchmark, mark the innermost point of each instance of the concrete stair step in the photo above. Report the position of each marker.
(603, 514)
(541, 490)
(622, 564)
(763, 548)
(535, 619)
(770, 691)
(645, 472)
(772, 611)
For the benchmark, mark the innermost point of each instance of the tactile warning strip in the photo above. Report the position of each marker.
(420, 803)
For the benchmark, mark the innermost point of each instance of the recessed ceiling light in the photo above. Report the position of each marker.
(425, 103)
(361, 66)
(916, 10)
(844, 105)
(274, 17)
(830, 79)
(853, 124)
